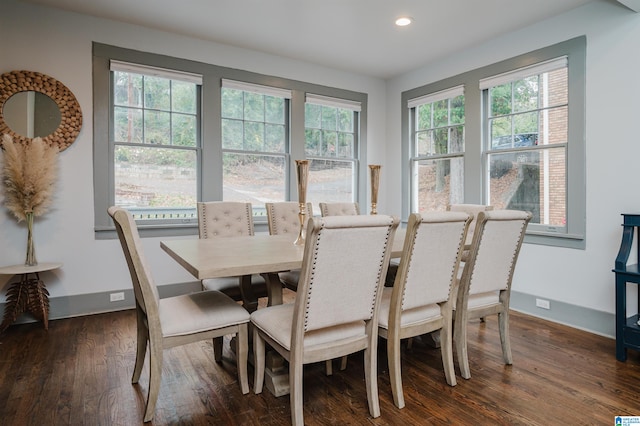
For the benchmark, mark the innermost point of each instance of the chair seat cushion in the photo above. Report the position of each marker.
(408, 317)
(231, 286)
(483, 300)
(200, 311)
(277, 322)
(290, 278)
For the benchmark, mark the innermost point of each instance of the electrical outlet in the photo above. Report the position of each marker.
(115, 297)
(544, 304)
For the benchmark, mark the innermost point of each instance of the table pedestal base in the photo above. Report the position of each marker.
(27, 295)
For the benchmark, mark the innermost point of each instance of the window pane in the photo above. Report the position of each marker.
(345, 120)
(439, 183)
(330, 140)
(253, 136)
(313, 141)
(274, 109)
(254, 178)
(274, 138)
(232, 103)
(554, 88)
(525, 94)
(526, 123)
(155, 178)
(500, 100)
(127, 125)
(457, 110)
(424, 117)
(127, 89)
(253, 106)
(531, 181)
(313, 116)
(156, 93)
(345, 145)
(500, 132)
(553, 126)
(157, 126)
(329, 116)
(183, 97)
(425, 145)
(232, 131)
(183, 130)
(330, 181)
(441, 113)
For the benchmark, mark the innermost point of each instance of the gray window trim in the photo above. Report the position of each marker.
(575, 50)
(210, 128)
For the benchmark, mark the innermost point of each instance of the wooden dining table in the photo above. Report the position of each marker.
(244, 256)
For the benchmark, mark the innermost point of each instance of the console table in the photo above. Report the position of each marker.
(27, 295)
(627, 328)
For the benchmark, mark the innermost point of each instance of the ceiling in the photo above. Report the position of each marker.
(352, 35)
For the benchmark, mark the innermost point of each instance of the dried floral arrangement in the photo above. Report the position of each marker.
(29, 174)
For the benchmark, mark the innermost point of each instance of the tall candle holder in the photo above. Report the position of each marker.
(302, 171)
(375, 182)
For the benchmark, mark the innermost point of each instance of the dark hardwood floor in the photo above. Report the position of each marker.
(79, 373)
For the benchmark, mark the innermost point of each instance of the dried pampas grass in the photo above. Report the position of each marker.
(29, 173)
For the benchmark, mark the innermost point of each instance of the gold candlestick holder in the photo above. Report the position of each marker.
(302, 171)
(375, 182)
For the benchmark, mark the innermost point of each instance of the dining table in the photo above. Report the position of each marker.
(244, 256)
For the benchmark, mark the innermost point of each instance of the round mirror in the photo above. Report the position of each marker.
(31, 114)
(33, 104)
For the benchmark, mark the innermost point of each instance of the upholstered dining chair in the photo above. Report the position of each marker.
(335, 312)
(485, 284)
(282, 218)
(225, 219)
(473, 210)
(178, 320)
(421, 299)
(339, 209)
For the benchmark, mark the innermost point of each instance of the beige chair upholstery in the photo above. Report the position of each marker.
(473, 210)
(485, 285)
(335, 312)
(339, 209)
(421, 299)
(283, 219)
(225, 219)
(174, 321)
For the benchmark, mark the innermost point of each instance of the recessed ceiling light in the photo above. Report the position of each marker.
(403, 21)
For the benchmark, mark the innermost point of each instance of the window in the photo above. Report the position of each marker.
(527, 121)
(155, 141)
(255, 145)
(169, 132)
(331, 143)
(522, 144)
(437, 150)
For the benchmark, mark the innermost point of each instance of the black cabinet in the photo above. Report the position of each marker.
(627, 328)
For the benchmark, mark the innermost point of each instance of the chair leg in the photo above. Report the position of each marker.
(217, 348)
(295, 392)
(329, 367)
(155, 376)
(503, 320)
(460, 338)
(258, 361)
(343, 363)
(395, 371)
(371, 378)
(141, 351)
(242, 349)
(446, 351)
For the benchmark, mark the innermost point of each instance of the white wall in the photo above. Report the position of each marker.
(58, 44)
(576, 277)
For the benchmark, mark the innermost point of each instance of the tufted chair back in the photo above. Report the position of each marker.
(224, 219)
(283, 217)
(339, 209)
